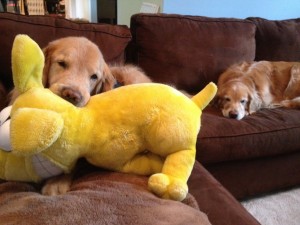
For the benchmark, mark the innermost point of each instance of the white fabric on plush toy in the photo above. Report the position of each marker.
(5, 129)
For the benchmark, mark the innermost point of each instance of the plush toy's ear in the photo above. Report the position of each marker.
(205, 95)
(27, 63)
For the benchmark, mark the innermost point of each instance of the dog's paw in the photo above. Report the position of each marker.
(57, 185)
(168, 187)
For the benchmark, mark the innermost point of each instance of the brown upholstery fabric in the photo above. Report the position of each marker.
(277, 40)
(215, 201)
(252, 156)
(112, 40)
(98, 198)
(248, 178)
(267, 133)
(189, 51)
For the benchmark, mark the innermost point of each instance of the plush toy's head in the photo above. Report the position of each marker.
(146, 129)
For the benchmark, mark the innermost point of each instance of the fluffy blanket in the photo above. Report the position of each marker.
(97, 198)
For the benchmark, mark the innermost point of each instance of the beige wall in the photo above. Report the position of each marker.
(126, 8)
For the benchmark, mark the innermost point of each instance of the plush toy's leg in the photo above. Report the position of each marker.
(16, 168)
(3, 159)
(171, 183)
(144, 164)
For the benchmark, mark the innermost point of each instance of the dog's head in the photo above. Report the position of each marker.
(75, 69)
(237, 99)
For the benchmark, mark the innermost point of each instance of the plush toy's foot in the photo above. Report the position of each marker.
(168, 187)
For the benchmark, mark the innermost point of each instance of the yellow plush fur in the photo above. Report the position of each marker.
(147, 129)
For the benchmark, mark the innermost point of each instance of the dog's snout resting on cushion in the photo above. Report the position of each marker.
(146, 129)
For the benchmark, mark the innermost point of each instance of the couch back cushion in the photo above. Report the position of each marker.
(277, 40)
(189, 51)
(112, 40)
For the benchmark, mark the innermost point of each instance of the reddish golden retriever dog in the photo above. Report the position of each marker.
(249, 86)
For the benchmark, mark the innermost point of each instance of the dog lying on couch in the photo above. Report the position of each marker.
(247, 87)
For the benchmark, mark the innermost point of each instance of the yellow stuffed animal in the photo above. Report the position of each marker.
(146, 129)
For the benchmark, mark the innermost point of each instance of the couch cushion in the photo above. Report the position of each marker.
(253, 177)
(277, 40)
(267, 133)
(96, 198)
(189, 51)
(112, 40)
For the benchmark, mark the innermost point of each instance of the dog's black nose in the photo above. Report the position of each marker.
(233, 115)
(71, 96)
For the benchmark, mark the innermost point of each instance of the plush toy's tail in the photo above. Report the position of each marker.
(27, 63)
(205, 96)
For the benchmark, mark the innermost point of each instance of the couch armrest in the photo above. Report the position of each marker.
(214, 200)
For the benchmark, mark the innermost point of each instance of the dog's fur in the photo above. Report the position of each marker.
(129, 74)
(247, 87)
(75, 69)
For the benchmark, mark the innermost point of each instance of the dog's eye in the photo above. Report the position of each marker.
(94, 77)
(227, 99)
(243, 101)
(63, 64)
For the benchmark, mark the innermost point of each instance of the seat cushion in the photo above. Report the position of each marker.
(112, 40)
(267, 133)
(96, 198)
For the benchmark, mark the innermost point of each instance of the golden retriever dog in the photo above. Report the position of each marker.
(247, 87)
(129, 74)
(75, 69)
(74, 66)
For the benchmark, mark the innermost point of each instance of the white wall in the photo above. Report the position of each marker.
(126, 8)
(269, 9)
(79, 9)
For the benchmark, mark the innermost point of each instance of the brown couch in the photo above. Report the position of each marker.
(258, 154)
(240, 158)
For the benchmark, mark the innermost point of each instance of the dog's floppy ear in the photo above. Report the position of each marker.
(47, 53)
(106, 83)
(254, 102)
(216, 101)
(109, 80)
